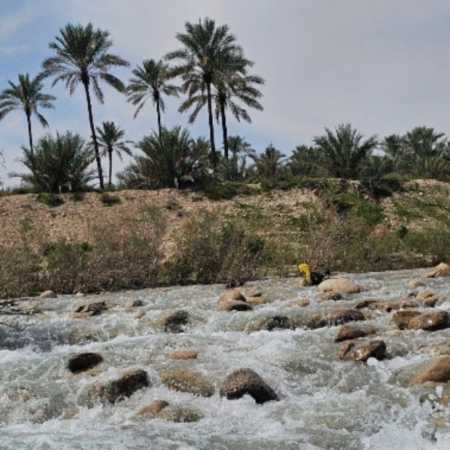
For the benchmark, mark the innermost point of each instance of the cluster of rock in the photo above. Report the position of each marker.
(357, 342)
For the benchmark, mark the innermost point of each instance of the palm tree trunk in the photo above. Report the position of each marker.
(30, 134)
(211, 126)
(110, 154)
(94, 136)
(224, 129)
(158, 111)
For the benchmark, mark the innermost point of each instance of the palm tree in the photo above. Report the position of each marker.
(232, 89)
(151, 81)
(208, 50)
(111, 140)
(236, 166)
(82, 56)
(59, 164)
(344, 151)
(26, 95)
(269, 164)
(171, 160)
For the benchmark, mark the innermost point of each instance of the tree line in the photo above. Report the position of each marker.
(210, 71)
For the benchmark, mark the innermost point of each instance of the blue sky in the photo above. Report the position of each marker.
(382, 65)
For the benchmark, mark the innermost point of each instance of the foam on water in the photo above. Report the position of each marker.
(324, 403)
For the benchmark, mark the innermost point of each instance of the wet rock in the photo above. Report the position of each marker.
(191, 382)
(79, 295)
(433, 321)
(303, 303)
(233, 300)
(246, 381)
(84, 361)
(270, 324)
(153, 409)
(135, 303)
(439, 349)
(115, 390)
(349, 332)
(373, 349)
(335, 317)
(48, 294)
(175, 322)
(183, 355)
(91, 309)
(428, 298)
(441, 270)
(437, 371)
(414, 284)
(402, 318)
(255, 301)
(180, 415)
(339, 286)
(335, 296)
(387, 305)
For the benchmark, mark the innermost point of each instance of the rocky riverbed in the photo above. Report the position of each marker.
(364, 364)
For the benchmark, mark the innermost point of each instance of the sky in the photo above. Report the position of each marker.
(381, 65)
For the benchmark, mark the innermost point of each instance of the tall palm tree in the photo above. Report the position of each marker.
(345, 151)
(208, 50)
(82, 56)
(26, 95)
(111, 140)
(151, 81)
(232, 89)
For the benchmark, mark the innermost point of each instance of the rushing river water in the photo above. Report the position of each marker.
(324, 403)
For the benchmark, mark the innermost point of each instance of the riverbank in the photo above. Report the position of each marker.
(136, 239)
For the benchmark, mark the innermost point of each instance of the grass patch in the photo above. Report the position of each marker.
(50, 200)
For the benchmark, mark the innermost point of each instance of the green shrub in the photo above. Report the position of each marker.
(51, 200)
(109, 200)
(212, 250)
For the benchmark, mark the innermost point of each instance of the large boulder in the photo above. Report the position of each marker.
(246, 381)
(233, 300)
(335, 317)
(441, 270)
(84, 361)
(349, 332)
(433, 321)
(437, 371)
(339, 286)
(188, 381)
(373, 349)
(402, 318)
(175, 322)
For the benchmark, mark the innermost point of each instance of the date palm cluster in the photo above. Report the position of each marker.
(211, 67)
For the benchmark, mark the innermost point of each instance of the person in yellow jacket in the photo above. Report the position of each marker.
(311, 278)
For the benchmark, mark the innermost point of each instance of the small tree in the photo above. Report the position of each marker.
(111, 140)
(60, 164)
(269, 165)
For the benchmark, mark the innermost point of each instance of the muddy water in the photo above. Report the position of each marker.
(325, 403)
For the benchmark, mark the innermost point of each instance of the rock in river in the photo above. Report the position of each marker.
(187, 381)
(84, 361)
(335, 317)
(402, 318)
(233, 300)
(373, 349)
(438, 371)
(441, 270)
(175, 322)
(246, 381)
(348, 332)
(183, 355)
(433, 321)
(339, 286)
